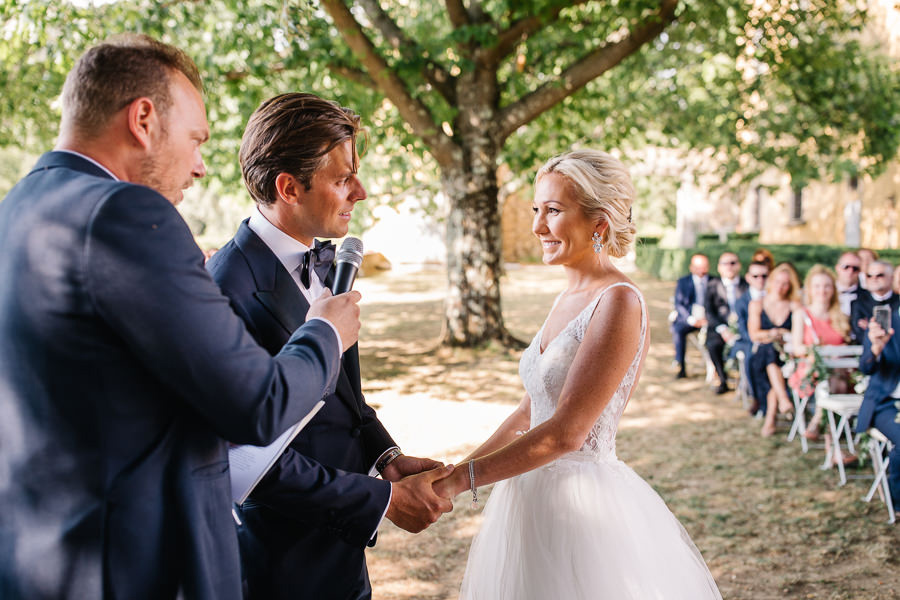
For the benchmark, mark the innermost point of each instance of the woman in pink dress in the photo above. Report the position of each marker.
(819, 323)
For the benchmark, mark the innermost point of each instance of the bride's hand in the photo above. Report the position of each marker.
(451, 485)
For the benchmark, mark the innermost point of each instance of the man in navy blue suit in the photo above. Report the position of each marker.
(757, 274)
(305, 536)
(122, 366)
(881, 360)
(690, 292)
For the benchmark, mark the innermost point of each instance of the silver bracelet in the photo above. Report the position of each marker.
(472, 484)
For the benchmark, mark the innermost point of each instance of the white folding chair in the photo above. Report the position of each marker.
(834, 357)
(839, 409)
(879, 449)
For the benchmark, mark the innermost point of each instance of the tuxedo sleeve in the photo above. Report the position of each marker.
(147, 282)
(868, 362)
(350, 504)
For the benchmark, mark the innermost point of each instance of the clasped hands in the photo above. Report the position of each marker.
(421, 492)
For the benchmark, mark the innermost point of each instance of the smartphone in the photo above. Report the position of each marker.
(882, 316)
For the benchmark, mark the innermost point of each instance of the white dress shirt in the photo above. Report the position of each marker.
(289, 253)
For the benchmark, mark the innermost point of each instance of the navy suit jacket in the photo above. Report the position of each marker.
(884, 375)
(306, 528)
(863, 307)
(685, 298)
(122, 367)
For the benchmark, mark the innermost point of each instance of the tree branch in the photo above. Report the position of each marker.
(510, 37)
(456, 10)
(435, 74)
(351, 74)
(414, 112)
(580, 73)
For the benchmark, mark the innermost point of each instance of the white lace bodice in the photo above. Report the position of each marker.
(544, 375)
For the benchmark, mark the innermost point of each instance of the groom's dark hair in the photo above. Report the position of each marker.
(293, 133)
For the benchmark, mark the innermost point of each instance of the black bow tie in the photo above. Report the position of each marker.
(320, 258)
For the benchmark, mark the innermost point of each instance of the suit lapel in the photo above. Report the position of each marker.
(275, 289)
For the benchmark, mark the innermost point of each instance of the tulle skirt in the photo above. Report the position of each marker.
(582, 528)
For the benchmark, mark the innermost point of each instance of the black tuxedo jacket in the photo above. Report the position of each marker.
(305, 528)
(863, 307)
(122, 367)
(717, 309)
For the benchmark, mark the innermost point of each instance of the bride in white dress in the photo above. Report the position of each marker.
(568, 519)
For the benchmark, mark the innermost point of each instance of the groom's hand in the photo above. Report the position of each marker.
(414, 505)
(403, 466)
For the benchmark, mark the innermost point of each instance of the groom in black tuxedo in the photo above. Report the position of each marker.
(304, 534)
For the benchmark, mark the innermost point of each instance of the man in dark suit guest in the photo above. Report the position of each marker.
(879, 277)
(122, 366)
(847, 271)
(690, 292)
(757, 274)
(722, 295)
(304, 536)
(881, 360)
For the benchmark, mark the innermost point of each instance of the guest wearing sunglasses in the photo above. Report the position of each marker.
(847, 270)
(722, 295)
(879, 277)
(757, 274)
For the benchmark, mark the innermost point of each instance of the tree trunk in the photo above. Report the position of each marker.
(474, 250)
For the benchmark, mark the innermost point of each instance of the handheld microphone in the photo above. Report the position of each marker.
(349, 258)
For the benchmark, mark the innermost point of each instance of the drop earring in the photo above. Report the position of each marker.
(598, 243)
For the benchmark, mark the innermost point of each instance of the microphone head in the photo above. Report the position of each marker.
(351, 251)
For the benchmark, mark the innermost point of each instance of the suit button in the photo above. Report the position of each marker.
(355, 432)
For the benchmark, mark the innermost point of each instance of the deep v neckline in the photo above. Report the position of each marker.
(541, 351)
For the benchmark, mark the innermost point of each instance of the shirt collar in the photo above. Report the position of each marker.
(755, 293)
(848, 290)
(882, 298)
(288, 250)
(731, 281)
(91, 160)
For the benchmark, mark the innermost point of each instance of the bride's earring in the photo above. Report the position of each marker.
(598, 243)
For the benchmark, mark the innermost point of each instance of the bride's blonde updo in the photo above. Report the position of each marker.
(604, 190)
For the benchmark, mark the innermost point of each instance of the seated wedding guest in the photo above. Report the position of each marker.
(879, 277)
(756, 276)
(722, 294)
(866, 256)
(881, 360)
(765, 256)
(819, 323)
(847, 269)
(690, 292)
(769, 321)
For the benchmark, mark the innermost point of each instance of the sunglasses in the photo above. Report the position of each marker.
(758, 276)
(728, 262)
(875, 275)
(853, 268)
